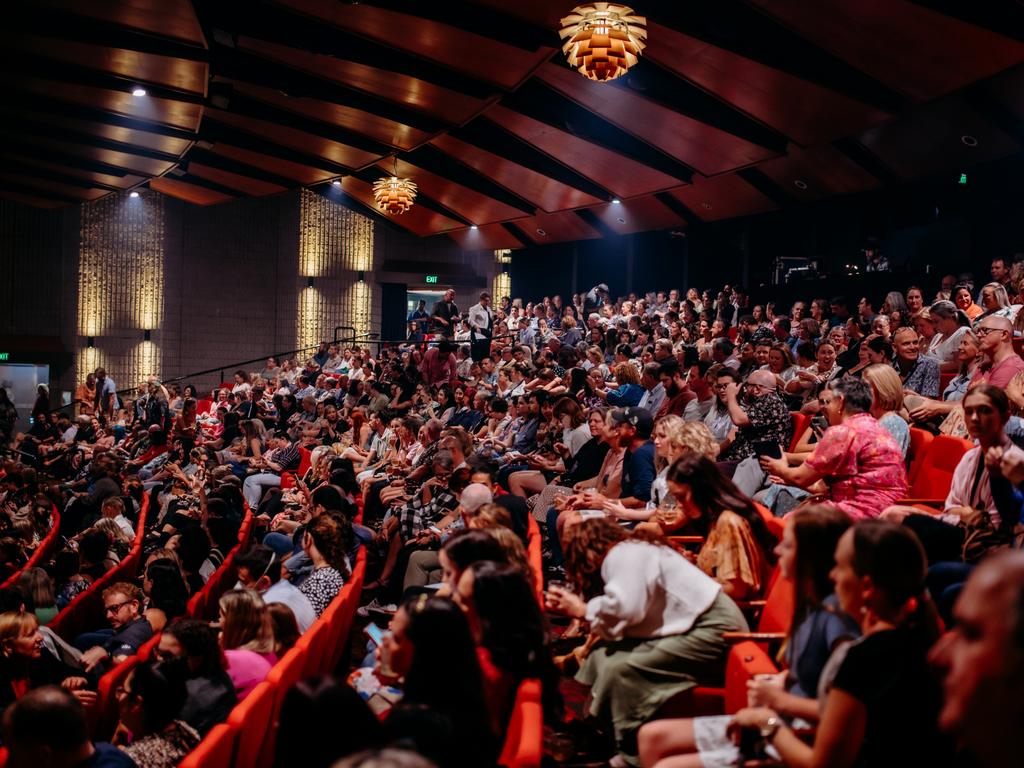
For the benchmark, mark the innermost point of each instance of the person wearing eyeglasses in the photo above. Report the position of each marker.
(149, 702)
(129, 629)
(999, 362)
(211, 694)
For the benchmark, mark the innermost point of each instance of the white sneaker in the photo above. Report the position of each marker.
(375, 606)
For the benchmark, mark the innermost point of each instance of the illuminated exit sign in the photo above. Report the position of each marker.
(4, 356)
(431, 278)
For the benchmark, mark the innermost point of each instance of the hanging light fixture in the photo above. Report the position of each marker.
(393, 194)
(603, 40)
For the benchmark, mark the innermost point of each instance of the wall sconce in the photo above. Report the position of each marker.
(361, 275)
(309, 282)
(90, 342)
(147, 335)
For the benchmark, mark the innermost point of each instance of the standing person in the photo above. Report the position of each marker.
(107, 402)
(85, 396)
(481, 328)
(446, 314)
(8, 418)
(419, 318)
(439, 367)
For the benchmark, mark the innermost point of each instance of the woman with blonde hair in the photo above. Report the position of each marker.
(629, 392)
(247, 637)
(26, 664)
(995, 301)
(887, 402)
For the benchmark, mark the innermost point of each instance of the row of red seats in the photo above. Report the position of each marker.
(43, 551)
(86, 611)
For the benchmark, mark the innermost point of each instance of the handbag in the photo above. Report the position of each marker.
(981, 535)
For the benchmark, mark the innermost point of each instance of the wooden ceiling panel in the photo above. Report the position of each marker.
(640, 214)
(558, 227)
(441, 103)
(179, 74)
(612, 171)
(912, 49)
(303, 174)
(929, 138)
(150, 109)
(699, 145)
(169, 144)
(723, 197)
(824, 170)
(136, 164)
(350, 157)
(48, 185)
(482, 57)
(190, 193)
(35, 201)
(470, 204)
(356, 120)
(246, 184)
(542, 191)
(167, 18)
(419, 219)
(489, 237)
(122, 182)
(801, 110)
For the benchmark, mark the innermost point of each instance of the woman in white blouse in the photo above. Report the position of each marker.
(658, 620)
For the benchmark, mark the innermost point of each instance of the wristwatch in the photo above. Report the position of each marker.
(770, 728)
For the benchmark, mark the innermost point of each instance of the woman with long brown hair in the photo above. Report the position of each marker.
(659, 618)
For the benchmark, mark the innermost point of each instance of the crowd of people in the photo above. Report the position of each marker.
(605, 428)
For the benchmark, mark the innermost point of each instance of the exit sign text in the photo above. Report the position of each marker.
(5, 356)
(431, 278)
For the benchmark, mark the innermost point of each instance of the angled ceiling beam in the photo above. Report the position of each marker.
(594, 221)
(1003, 18)
(431, 159)
(245, 67)
(220, 162)
(480, 20)
(31, 170)
(65, 24)
(28, 189)
(672, 92)
(54, 156)
(676, 206)
(736, 26)
(543, 103)
(199, 181)
(214, 132)
(283, 26)
(491, 136)
(517, 233)
(766, 186)
(867, 160)
(47, 105)
(51, 131)
(63, 72)
(241, 104)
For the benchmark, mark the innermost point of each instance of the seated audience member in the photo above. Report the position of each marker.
(738, 551)
(950, 325)
(508, 628)
(858, 460)
(129, 629)
(286, 629)
(806, 558)
(259, 569)
(283, 456)
(999, 362)
(660, 618)
(325, 543)
(166, 595)
(442, 712)
(247, 638)
(882, 705)
(26, 664)
(48, 727)
(919, 373)
(37, 587)
(628, 392)
(765, 419)
(981, 662)
(887, 403)
(923, 410)
(149, 703)
(718, 418)
(211, 694)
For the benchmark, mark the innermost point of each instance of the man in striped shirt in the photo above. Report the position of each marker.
(284, 456)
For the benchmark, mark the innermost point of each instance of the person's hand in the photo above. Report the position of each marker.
(732, 390)
(773, 466)
(766, 690)
(896, 514)
(1011, 466)
(752, 718)
(615, 509)
(806, 375)
(86, 698)
(972, 517)
(74, 683)
(93, 658)
(993, 457)
(926, 410)
(593, 500)
(565, 602)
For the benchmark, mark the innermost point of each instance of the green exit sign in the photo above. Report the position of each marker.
(431, 278)
(5, 356)
(963, 178)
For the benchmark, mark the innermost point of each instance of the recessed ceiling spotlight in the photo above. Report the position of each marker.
(969, 140)
(541, 232)
(706, 206)
(473, 226)
(800, 184)
(336, 183)
(616, 201)
(133, 194)
(138, 90)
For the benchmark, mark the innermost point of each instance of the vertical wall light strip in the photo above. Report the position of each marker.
(335, 245)
(502, 284)
(121, 285)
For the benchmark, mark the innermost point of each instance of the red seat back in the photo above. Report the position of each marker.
(524, 738)
(252, 718)
(105, 713)
(42, 552)
(535, 557)
(746, 660)
(775, 524)
(217, 749)
(800, 422)
(936, 472)
(778, 608)
(920, 442)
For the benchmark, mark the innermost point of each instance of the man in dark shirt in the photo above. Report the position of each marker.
(446, 314)
(634, 426)
(122, 603)
(765, 419)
